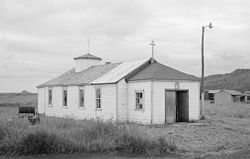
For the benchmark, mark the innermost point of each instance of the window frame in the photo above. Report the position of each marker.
(63, 97)
(248, 98)
(98, 99)
(50, 100)
(143, 100)
(81, 103)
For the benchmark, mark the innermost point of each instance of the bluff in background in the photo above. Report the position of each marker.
(238, 80)
(14, 99)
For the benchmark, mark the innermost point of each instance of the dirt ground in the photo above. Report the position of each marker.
(225, 130)
(242, 154)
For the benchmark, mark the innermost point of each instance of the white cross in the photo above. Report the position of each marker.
(152, 44)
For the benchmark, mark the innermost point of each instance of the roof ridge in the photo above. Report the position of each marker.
(160, 71)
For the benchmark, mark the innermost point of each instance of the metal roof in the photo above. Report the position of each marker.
(112, 73)
(80, 78)
(120, 71)
(88, 56)
(213, 91)
(232, 92)
(159, 71)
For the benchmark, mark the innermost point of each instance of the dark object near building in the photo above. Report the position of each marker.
(209, 95)
(29, 112)
(27, 109)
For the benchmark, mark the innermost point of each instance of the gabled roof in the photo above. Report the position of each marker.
(80, 78)
(159, 71)
(112, 73)
(88, 56)
(120, 72)
(232, 92)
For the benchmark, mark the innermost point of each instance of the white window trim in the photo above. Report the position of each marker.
(79, 95)
(98, 109)
(63, 106)
(50, 105)
(143, 100)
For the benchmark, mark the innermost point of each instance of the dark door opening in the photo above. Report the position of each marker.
(176, 106)
(182, 106)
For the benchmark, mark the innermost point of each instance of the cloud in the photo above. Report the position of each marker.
(39, 39)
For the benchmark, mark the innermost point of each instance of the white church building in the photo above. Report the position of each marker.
(143, 91)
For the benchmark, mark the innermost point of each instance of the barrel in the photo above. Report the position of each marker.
(27, 109)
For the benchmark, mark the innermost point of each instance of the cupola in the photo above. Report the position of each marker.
(85, 61)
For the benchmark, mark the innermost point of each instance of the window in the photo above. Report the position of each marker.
(139, 100)
(248, 98)
(65, 97)
(98, 98)
(81, 98)
(50, 97)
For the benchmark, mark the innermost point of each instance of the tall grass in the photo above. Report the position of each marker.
(231, 110)
(64, 135)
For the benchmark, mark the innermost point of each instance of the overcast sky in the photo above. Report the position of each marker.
(39, 39)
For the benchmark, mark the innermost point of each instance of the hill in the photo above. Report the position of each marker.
(239, 80)
(13, 99)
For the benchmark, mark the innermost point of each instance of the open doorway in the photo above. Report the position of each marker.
(176, 106)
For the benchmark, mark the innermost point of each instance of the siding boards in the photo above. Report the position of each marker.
(159, 99)
(126, 101)
(194, 98)
(140, 116)
(108, 101)
(122, 101)
(41, 100)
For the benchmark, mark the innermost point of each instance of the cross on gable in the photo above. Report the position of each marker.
(152, 44)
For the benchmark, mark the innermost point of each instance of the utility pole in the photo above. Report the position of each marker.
(202, 71)
(202, 67)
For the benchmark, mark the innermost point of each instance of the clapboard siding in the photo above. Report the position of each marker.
(119, 97)
(122, 100)
(41, 100)
(108, 102)
(141, 116)
(159, 99)
(194, 98)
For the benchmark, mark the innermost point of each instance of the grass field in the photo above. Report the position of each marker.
(65, 135)
(13, 99)
(226, 129)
